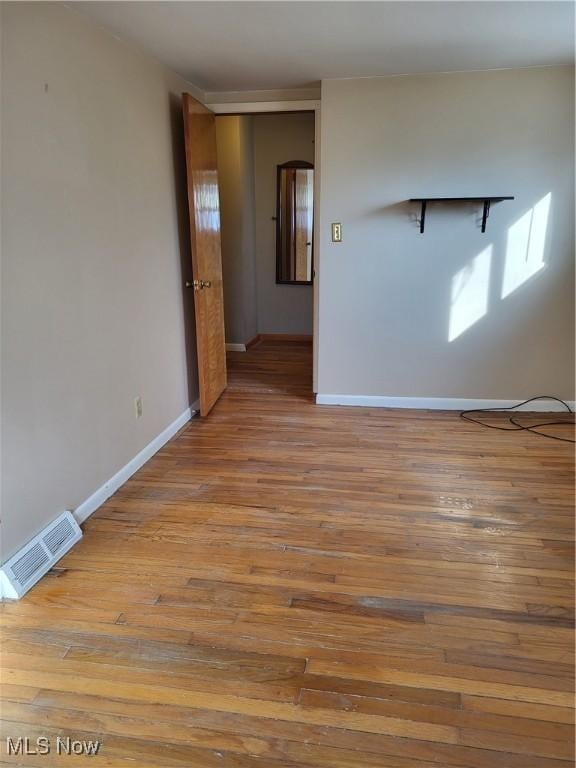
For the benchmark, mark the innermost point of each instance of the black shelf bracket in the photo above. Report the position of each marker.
(423, 215)
(485, 214)
(486, 201)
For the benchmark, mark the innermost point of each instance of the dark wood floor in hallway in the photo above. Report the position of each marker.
(286, 585)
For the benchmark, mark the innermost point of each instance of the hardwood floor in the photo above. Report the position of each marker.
(287, 585)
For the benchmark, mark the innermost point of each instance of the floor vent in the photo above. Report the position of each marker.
(28, 565)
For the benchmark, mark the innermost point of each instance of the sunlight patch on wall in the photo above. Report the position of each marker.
(206, 200)
(469, 294)
(525, 246)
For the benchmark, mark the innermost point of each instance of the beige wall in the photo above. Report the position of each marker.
(453, 312)
(94, 249)
(236, 183)
(277, 139)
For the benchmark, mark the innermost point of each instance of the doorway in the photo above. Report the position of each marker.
(266, 170)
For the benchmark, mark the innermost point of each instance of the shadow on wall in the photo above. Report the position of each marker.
(180, 183)
(524, 257)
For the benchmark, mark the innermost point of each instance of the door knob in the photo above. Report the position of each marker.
(198, 284)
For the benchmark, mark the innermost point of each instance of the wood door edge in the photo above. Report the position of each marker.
(208, 394)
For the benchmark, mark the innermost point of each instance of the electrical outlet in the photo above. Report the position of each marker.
(138, 406)
(336, 232)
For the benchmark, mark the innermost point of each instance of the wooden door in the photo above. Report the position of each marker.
(203, 204)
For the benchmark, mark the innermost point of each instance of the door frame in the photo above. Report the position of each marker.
(305, 105)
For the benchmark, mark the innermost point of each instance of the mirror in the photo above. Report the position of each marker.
(294, 222)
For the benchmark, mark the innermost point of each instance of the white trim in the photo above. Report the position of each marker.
(252, 107)
(316, 241)
(98, 498)
(235, 347)
(282, 94)
(436, 403)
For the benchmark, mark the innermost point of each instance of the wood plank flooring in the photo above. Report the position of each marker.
(293, 586)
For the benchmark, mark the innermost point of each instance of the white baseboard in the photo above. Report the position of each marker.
(436, 403)
(235, 347)
(98, 498)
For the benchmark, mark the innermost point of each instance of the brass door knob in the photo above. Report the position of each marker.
(198, 284)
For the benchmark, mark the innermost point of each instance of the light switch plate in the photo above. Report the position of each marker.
(336, 232)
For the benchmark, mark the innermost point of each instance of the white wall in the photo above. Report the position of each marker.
(277, 139)
(452, 312)
(236, 183)
(94, 251)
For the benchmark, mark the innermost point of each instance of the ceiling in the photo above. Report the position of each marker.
(230, 46)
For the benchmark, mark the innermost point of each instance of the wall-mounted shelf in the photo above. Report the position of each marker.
(485, 200)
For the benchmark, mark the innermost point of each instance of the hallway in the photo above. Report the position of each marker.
(272, 367)
(287, 585)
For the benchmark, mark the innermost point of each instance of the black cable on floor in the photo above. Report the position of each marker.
(521, 427)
